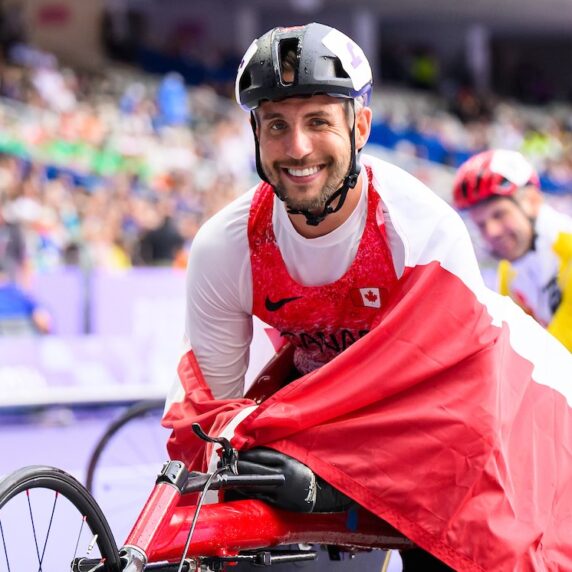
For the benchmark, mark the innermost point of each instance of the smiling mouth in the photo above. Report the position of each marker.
(302, 172)
(503, 243)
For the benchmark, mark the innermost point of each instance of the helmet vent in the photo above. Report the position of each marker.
(245, 81)
(339, 69)
(465, 189)
(288, 51)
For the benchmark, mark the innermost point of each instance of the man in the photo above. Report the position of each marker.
(530, 241)
(416, 384)
(20, 313)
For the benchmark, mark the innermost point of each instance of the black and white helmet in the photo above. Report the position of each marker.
(328, 62)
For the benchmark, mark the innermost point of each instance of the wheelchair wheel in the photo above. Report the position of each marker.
(49, 520)
(125, 462)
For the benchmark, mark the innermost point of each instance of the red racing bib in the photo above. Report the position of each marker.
(320, 321)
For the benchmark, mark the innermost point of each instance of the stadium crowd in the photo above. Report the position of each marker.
(113, 171)
(121, 169)
(449, 130)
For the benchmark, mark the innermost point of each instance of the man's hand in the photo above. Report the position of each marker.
(302, 490)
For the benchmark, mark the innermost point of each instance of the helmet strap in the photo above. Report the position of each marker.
(259, 168)
(532, 221)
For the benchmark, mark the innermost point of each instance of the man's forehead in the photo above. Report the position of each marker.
(490, 207)
(305, 104)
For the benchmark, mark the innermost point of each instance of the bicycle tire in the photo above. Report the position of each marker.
(57, 480)
(137, 410)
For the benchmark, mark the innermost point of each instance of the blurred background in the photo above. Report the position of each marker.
(119, 137)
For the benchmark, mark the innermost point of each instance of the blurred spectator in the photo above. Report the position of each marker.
(11, 25)
(424, 69)
(20, 314)
(161, 243)
(12, 248)
(468, 106)
(133, 98)
(172, 101)
(54, 86)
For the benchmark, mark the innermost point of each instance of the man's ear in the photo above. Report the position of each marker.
(363, 126)
(531, 200)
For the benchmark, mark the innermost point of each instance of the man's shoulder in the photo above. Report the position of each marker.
(227, 228)
(550, 220)
(382, 167)
(402, 191)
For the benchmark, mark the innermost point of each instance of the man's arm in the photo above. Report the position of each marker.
(219, 300)
(218, 331)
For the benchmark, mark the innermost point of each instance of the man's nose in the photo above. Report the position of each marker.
(299, 144)
(492, 229)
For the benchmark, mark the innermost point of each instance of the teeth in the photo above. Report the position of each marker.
(303, 172)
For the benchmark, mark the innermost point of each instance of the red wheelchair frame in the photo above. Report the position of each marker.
(226, 529)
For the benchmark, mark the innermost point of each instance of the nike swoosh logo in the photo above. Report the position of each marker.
(273, 306)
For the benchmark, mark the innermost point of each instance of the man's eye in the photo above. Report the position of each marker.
(319, 122)
(277, 126)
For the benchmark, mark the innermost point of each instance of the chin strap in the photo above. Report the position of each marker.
(349, 182)
(531, 219)
(259, 168)
(314, 219)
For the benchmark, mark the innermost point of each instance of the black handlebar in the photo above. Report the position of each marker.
(196, 481)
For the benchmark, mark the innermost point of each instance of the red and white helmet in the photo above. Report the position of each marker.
(497, 172)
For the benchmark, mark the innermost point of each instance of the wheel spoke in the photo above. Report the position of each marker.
(4, 545)
(56, 496)
(78, 538)
(32, 522)
(58, 506)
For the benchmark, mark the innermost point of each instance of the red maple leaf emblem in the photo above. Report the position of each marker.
(371, 297)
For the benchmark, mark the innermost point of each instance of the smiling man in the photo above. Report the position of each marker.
(530, 241)
(294, 250)
(306, 155)
(411, 387)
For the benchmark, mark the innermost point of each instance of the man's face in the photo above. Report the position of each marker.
(304, 148)
(504, 226)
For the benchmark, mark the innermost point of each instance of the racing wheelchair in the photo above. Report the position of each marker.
(49, 521)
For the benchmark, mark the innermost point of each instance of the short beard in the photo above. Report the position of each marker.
(317, 204)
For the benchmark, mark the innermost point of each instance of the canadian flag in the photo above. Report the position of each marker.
(436, 411)
(367, 297)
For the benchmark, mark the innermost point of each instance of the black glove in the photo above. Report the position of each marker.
(329, 499)
(302, 490)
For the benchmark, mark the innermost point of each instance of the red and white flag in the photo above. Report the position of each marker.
(367, 297)
(454, 412)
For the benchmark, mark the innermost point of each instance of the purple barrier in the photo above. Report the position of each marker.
(62, 293)
(84, 369)
(137, 320)
(144, 302)
(139, 301)
(52, 370)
